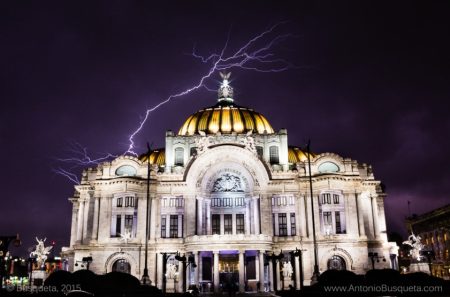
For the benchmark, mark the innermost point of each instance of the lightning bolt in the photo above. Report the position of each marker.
(248, 57)
(242, 58)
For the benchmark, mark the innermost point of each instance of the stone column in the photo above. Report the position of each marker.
(104, 228)
(302, 220)
(277, 271)
(153, 217)
(247, 217)
(256, 215)
(297, 273)
(199, 216)
(73, 228)
(241, 271)
(359, 207)
(86, 215)
(376, 222)
(200, 268)
(233, 226)
(216, 271)
(208, 217)
(271, 288)
(196, 272)
(80, 221)
(159, 278)
(95, 222)
(181, 273)
(261, 271)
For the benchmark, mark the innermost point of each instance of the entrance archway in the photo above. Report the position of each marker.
(336, 263)
(121, 265)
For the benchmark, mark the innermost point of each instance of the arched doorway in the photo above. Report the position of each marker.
(121, 265)
(336, 263)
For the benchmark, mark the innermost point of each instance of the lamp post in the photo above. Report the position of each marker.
(186, 261)
(145, 277)
(294, 254)
(274, 259)
(315, 276)
(374, 256)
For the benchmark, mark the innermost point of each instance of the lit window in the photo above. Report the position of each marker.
(273, 152)
(179, 156)
(126, 170)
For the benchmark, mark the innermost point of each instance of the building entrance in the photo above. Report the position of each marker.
(228, 271)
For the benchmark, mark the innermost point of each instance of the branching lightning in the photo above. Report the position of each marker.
(247, 57)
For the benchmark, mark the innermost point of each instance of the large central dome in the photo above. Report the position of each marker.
(225, 117)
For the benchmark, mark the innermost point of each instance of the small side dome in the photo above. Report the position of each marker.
(295, 155)
(156, 157)
(126, 170)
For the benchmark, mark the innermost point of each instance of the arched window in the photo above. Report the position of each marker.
(121, 265)
(126, 170)
(273, 151)
(336, 263)
(326, 167)
(179, 156)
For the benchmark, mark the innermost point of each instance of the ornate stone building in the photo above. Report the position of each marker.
(434, 229)
(228, 191)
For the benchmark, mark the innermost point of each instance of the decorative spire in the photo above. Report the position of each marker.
(225, 90)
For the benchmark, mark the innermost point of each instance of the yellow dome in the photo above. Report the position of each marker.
(156, 157)
(225, 117)
(296, 155)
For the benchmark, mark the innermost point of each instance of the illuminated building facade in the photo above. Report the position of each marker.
(434, 229)
(227, 191)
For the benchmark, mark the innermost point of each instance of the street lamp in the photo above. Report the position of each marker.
(186, 261)
(294, 254)
(316, 273)
(145, 277)
(374, 256)
(84, 261)
(274, 259)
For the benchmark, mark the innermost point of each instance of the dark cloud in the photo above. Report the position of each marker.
(373, 86)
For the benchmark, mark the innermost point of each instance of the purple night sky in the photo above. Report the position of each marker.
(373, 86)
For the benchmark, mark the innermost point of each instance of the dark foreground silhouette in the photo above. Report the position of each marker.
(385, 282)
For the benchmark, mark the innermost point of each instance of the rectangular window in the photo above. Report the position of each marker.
(193, 151)
(260, 151)
(239, 201)
(282, 224)
(273, 225)
(128, 223)
(335, 199)
(327, 217)
(129, 201)
(293, 224)
(163, 226)
(337, 217)
(228, 224)
(179, 156)
(118, 225)
(326, 198)
(240, 229)
(119, 202)
(215, 224)
(273, 153)
(173, 226)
